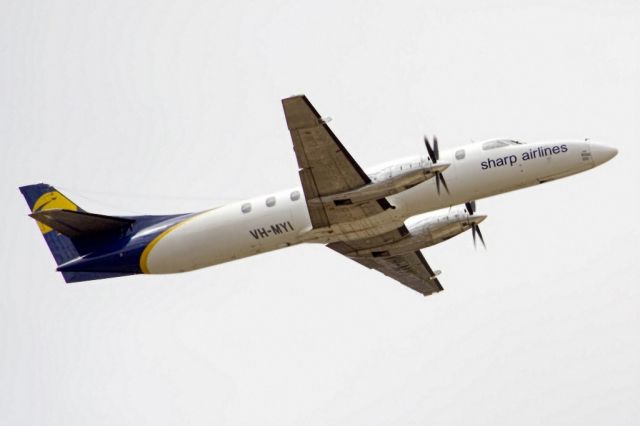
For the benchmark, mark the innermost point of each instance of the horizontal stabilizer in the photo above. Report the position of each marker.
(78, 224)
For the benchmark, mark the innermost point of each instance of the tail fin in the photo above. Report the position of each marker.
(41, 198)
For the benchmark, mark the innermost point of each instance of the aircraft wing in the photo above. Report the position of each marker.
(326, 167)
(410, 269)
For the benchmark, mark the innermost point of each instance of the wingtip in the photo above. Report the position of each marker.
(298, 96)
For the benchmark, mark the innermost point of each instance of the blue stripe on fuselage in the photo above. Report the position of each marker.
(120, 256)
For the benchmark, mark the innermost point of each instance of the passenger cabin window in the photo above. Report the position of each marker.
(246, 208)
(460, 154)
(271, 201)
(295, 195)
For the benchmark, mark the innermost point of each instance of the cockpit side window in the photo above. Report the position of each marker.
(495, 144)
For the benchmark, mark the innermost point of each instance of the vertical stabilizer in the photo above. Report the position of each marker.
(42, 197)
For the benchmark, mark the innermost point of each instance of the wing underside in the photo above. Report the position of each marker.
(410, 269)
(327, 168)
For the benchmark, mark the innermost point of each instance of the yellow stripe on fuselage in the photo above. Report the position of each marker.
(145, 253)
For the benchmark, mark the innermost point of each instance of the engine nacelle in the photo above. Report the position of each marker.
(425, 233)
(387, 182)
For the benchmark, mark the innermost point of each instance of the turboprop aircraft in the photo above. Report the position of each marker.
(359, 214)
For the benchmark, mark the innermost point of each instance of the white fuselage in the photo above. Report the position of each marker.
(476, 171)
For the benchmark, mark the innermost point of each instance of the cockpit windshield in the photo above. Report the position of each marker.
(498, 143)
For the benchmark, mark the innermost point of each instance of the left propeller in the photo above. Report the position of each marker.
(434, 156)
(475, 229)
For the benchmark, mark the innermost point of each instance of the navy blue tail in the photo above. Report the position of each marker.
(42, 197)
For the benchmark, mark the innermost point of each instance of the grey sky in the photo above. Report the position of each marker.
(160, 107)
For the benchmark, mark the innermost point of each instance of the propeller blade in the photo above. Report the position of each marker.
(432, 155)
(471, 207)
(480, 235)
(473, 232)
(444, 183)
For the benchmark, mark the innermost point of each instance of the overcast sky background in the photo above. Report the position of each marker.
(161, 107)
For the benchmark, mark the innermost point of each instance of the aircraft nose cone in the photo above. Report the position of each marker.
(602, 153)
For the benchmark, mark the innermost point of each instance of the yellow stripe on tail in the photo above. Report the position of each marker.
(52, 200)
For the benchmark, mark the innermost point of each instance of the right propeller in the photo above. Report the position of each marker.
(434, 156)
(475, 229)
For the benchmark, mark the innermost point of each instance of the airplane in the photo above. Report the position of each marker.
(358, 214)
